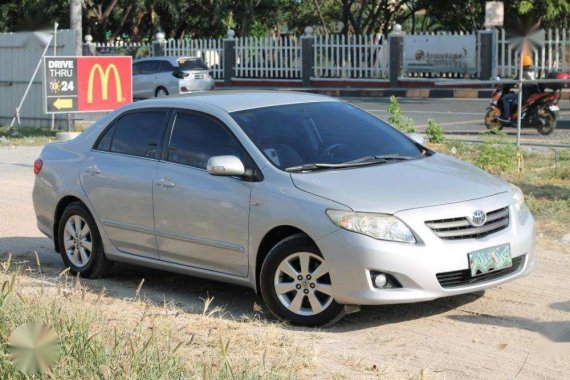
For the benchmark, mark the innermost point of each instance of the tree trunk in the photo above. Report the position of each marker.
(75, 18)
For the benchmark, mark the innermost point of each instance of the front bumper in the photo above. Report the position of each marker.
(351, 256)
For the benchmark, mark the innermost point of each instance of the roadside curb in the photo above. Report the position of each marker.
(425, 93)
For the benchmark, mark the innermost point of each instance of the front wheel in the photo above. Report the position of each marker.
(549, 119)
(296, 285)
(492, 121)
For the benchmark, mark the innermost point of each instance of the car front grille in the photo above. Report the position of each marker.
(463, 277)
(460, 228)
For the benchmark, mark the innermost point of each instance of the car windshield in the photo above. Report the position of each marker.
(324, 135)
(186, 64)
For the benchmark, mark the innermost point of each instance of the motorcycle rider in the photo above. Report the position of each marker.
(509, 97)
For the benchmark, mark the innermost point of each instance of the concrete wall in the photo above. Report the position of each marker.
(19, 55)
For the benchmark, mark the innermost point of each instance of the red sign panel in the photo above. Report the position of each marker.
(103, 83)
(84, 84)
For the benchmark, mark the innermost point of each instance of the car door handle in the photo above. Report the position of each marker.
(165, 183)
(93, 170)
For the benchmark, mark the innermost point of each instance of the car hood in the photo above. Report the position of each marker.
(403, 185)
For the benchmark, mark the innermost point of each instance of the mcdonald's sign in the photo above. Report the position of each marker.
(87, 84)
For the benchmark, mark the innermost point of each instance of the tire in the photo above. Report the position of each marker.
(491, 121)
(306, 300)
(76, 255)
(550, 123)
(160, 92)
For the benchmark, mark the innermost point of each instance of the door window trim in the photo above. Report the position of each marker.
(162, 137)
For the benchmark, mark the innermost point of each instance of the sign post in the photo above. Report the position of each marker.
(87, 84)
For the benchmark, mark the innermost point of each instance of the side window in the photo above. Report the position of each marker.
(196, 138)
(165, 67)
(136, 68)
(136, 134)
(152, 67)
(105, 141)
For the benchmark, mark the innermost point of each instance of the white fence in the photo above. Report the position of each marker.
(211, 50)
(268, 57)
(358, 56)
(134, 49)
(553, 55)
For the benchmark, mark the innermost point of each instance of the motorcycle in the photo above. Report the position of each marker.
(538, 111)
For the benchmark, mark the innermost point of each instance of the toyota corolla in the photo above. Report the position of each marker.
(317, 205)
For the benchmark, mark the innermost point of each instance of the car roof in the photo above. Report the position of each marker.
(232, 100)
(171, 59)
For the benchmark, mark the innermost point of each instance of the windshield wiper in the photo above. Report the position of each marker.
(311, 167)
(380, 158)
(366, 160)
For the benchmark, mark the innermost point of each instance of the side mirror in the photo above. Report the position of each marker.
(225, 166)
(416, 137)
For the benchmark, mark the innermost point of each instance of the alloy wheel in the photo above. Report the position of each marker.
(77, 241)
(302, 284)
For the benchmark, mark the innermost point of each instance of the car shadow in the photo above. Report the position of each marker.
(555, 331)
(188, 293)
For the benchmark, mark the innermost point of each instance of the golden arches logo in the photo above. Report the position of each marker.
(104, 78)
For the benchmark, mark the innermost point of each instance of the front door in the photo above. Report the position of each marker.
(117, 178)
(201, 220)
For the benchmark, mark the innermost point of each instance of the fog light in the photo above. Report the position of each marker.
(380, 281)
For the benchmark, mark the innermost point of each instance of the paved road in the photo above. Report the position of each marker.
(458, 117)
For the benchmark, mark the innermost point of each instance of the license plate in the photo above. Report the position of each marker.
(554, 108)
(490, 259)
(198, 76)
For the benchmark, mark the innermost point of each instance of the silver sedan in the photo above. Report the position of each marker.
(314, 203)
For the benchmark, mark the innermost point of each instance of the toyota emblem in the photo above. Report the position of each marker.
(478, 218)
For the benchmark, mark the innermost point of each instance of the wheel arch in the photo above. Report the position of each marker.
(61, 205)
(269, 240)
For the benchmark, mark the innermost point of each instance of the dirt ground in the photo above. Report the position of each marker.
(519, 330)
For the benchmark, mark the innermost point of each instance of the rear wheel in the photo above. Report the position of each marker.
(492, 121)
(80, 243)
(549, 122)
(160, 92)
(296, 285)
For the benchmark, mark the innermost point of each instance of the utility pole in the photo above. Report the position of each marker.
(75, 19)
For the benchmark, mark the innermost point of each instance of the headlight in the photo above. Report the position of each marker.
(518, 201)
(377, 226)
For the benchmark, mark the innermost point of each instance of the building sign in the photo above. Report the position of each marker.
(440, 54)
(87, 84)
(494, 13)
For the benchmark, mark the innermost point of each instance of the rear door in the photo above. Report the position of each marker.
(201, 220)
(117, 178)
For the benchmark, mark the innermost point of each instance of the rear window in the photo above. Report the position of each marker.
(135, 134)
(186, 64)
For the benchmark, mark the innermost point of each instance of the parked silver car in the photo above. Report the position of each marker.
(162, 76)
(309, 200)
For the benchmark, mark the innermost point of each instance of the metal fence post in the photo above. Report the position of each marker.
(158, 45)
(229, 54)
(307, 56)
(396, 50)
(487, 54)
(89, 46)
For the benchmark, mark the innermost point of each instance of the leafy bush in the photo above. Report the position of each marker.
(434, 132)
(496, 157)
(397, 119)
